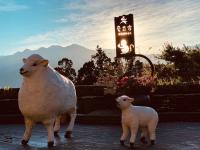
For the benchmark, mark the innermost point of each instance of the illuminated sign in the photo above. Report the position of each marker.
(124, 34)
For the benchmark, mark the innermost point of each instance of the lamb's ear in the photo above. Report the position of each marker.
(24, 60)
(45, 62)
(131, 99)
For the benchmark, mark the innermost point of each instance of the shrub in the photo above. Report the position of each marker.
(135, 85)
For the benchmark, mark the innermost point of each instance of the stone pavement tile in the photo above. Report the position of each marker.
(170, 136)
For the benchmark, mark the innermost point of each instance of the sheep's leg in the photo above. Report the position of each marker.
(49, 125)
(134, 130)
(28, 131)
(144, 134)
(57, 125)
(68, 133)
(125, 132)
(152, 133)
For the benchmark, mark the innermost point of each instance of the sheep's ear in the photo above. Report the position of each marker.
(24, 60)
(131, 99)
(45, 63)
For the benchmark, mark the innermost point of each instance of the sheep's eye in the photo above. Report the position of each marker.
(34, 64)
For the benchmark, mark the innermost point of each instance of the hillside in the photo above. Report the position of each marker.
(9, 68)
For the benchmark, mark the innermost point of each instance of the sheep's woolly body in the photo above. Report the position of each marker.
(46, 94)
(139, 115)
(135, 117)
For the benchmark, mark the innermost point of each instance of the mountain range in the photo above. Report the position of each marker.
(10, 65)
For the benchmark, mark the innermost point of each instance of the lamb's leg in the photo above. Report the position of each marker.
(49, 125)
(144, 134)
(57, 125)
(125, 132)
(68, 133)
(134, 130)
(28, 131)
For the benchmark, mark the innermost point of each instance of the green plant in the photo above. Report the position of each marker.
(185, 61)
(65, 68)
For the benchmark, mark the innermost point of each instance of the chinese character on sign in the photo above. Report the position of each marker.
(124, 28)
(129, 28)
(123, 20)
(118, 28)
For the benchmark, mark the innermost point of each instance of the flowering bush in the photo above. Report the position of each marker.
(109, 77)
(135, 85)
(107, 80)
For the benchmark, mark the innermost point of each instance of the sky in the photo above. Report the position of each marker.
(31, 24)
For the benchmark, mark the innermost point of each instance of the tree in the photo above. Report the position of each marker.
(101, 60)
(87, 74)
(166, 74)
(186, 61)
(92, 69)
(65, 68)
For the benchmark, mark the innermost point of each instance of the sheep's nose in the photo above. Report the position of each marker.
(21, 70)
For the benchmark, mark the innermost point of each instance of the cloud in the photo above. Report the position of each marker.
(89, 29)
(9, 5)
(92, 22)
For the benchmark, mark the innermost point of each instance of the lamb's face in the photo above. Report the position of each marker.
(33, 64)
(124, 101)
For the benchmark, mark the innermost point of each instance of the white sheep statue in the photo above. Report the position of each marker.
(44, 96)
(137, 117)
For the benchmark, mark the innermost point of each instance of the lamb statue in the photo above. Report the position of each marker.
(44, 96)
(137, 117)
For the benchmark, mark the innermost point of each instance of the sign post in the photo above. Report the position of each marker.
(125, 47)
(124, 35)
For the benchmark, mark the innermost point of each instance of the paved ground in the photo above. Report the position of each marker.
(170, 136)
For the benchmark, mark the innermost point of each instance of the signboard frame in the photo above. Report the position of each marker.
(124, 36)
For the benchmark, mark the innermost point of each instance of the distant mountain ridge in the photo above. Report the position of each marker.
(9, 68)
(9, 65)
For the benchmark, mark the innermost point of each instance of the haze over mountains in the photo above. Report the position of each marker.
(9, 68)
(9, 65)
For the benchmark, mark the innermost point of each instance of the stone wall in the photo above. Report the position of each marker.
(93, 98)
